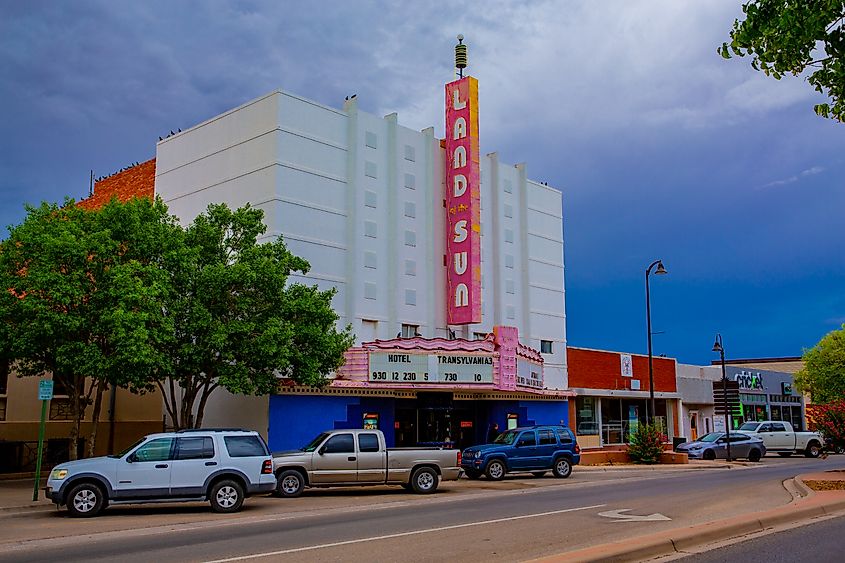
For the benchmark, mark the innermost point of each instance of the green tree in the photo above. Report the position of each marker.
(239, 323)
(791, 36)
(82, 299)
(823, 375)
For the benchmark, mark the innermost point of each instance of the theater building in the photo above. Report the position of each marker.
(447, 264)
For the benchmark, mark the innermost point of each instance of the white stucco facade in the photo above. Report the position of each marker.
(361, 198)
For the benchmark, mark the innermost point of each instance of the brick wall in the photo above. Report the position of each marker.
(138, 181)
(596, 369)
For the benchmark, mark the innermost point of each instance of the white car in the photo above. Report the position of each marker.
(781, 438)
(222, 466)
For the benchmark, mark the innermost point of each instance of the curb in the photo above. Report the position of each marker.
(678, 540)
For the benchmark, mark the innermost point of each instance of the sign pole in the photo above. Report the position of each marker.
(45, 393)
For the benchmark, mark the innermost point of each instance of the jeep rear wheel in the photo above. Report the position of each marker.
(85, 500)
(562, 468)
(226, 496)
(495, 470)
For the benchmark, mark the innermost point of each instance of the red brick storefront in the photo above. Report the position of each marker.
(612, 395)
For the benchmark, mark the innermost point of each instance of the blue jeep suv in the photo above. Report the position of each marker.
(534, 449)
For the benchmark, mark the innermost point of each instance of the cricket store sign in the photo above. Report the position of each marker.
(405, 367)
(463, 208)
(748, 380)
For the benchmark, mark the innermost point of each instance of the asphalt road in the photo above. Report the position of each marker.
(819, 542)
(497, 524)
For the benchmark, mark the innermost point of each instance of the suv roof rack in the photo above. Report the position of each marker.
(186, 430)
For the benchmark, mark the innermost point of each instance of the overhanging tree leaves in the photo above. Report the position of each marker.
(238, 322)
(823, 375)
(82, 299)
(791, 36)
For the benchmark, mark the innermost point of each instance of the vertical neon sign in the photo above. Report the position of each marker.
(463, 212)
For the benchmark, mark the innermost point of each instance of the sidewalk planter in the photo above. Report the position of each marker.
(617, 456)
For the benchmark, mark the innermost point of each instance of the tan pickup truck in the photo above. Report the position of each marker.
(342, 458)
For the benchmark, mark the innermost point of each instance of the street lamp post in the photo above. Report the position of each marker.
(659, 271)
(717, 347)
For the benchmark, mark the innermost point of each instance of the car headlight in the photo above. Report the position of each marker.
(58, 474)
(696, 447)
(477, 455)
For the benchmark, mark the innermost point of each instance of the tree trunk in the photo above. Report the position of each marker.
(75, 396)
(95, 416)
(206, 391)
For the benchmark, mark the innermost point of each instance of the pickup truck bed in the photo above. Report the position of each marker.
(358, 458)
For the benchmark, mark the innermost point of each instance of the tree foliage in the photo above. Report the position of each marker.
(646, 444)
(80, 299)
(829, 419)
(823, 375)
(238, 322)
(792, 36)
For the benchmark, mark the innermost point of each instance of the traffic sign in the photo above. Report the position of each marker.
(45, 389)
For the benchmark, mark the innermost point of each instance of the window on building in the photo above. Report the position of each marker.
(5, 368)
(370, 169)
(369, 290)
(410, 238)
(410, 331)
(510, 312)
(508, 210)
(369, 330)
(410, 181)
(508, 260)
(410, 297)
(479, 335)
(371, 140)
(370, 199)
(586, 416)
(410, 267)
(370, 229)
(410, 153)
(370, 260)
(546, 346)
(410, 209)
(508, 235)
(508, 187)
(509, 286)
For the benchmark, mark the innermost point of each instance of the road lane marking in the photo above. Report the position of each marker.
(617, 514)
(400, 535)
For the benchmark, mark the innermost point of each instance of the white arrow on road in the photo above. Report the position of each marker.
(617, 514)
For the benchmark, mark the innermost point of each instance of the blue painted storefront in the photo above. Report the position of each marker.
(296, 419)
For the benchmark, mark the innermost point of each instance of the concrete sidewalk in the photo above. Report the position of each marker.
(827, 499)
(16, 495)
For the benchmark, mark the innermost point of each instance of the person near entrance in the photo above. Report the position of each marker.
(493, 432)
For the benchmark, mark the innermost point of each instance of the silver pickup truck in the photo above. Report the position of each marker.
(342, 458)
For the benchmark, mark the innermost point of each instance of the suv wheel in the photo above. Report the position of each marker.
(226, 496)
(290, 484)
(495, 470)
(85, 500)
(424, 480)
(562, 468)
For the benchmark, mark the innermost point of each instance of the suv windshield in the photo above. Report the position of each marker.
(312, 445)
(749, 426)
(506, 438)
(712, 437)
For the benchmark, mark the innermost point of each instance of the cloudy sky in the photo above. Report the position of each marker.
(662, 149)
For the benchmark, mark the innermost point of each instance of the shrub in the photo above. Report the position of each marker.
(829, 419)
(646, 444)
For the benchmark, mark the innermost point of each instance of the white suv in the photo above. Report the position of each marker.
(223, 466)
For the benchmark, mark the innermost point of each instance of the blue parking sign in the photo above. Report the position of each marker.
(45, 390)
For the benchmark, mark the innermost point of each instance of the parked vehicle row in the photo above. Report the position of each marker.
(715, 446)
